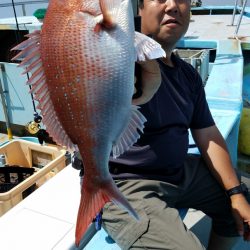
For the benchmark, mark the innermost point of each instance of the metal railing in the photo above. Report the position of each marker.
(23, 4)
(243, 3)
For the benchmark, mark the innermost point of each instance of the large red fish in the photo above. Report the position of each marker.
(82, 65)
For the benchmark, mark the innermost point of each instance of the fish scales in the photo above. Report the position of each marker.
(102, 72)
(92, 70)
(86, 56)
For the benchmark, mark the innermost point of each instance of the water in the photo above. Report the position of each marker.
(8, 11)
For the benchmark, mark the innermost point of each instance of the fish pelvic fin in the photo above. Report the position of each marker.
(93, 197)
(131, 133)
(146, 48)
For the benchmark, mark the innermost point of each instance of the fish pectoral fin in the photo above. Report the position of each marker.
(109, 9)
(147, 48)
(131, 133)
(94, 196)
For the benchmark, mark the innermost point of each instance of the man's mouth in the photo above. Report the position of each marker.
(170, 21)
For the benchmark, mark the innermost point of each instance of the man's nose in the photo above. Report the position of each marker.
(171, 6)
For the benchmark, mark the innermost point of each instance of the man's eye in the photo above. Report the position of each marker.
(164, 1)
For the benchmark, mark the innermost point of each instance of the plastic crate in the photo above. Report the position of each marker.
(11, 176)
(45, 160)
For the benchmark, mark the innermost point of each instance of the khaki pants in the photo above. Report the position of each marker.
(160, 226)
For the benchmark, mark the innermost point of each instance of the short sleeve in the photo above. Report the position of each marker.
(202, 117)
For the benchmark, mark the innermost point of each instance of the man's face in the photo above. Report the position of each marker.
(166, 20)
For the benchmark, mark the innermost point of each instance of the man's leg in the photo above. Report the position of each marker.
(159, 228)
(217, 242)
(201, 191)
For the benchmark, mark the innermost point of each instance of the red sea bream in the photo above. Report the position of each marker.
(82, 66)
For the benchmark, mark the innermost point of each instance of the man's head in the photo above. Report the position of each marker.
(166, 20)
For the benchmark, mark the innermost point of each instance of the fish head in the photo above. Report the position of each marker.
(93, 7)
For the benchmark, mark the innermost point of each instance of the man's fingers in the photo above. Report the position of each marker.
(141, 100)
(239, 222)
(246, 226)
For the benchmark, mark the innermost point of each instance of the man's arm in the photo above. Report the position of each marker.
(214, 151)
(150, 81)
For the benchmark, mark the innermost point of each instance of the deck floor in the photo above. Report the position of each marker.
(219, 28)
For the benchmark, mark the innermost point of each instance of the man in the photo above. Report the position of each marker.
(156, 175)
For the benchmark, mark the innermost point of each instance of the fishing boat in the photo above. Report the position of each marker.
(217, 44)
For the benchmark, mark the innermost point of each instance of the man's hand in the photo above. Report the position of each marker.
(241, 212)
(151, 81)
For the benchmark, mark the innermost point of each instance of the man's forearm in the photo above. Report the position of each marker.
(214, 151)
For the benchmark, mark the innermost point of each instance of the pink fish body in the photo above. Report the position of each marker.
(82, 65)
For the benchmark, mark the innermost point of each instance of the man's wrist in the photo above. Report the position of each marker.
(239, 189)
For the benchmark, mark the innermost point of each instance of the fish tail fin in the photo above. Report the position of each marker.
(131, 133)
(94, 196)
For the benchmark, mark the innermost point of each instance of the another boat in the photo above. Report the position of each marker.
(217, 44)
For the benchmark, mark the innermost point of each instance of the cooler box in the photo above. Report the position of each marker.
(46, 161)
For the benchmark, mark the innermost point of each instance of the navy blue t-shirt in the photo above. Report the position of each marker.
(178, 105)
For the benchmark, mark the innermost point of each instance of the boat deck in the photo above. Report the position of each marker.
(46, 219)
(200, 30)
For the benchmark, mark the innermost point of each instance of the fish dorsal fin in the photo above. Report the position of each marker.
(147, 48)
(130, 134)
(30, 56)
(108, 18)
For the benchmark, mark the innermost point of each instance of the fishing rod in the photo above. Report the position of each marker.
(9, 132)
(17, 31)
(33, 127)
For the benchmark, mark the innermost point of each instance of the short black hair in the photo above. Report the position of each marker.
(140, 3)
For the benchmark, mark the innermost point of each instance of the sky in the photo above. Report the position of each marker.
(8, 11)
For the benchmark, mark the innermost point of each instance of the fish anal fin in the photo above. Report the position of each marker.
(147, 48)
(131, 133)
(93, 198)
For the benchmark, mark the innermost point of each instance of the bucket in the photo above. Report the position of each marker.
(244, 132)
